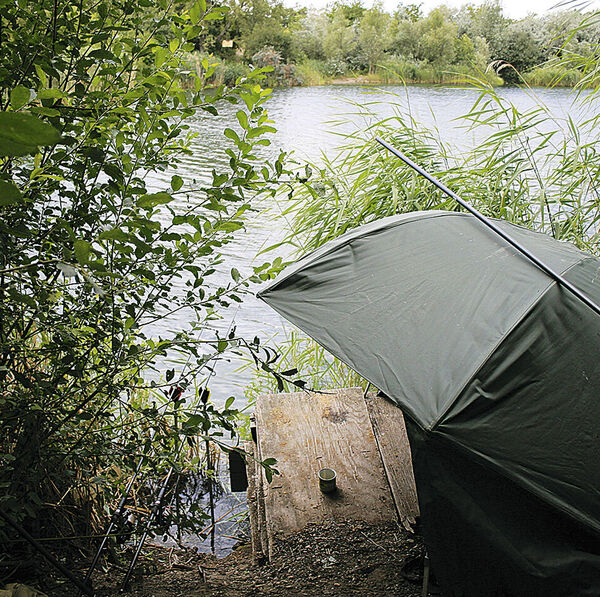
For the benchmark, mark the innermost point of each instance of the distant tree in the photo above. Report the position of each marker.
(521, 49)
(341, 38)
(268, 33)
(406, 38)
(563, 32)
(352, 11)
(486, 21)
(438, 37)
(254, 24)
(409, 12)
(464, 49)
(481, 54)
(307, 41)
(374, 34)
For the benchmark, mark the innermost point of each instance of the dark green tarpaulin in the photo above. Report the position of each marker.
(498, 372)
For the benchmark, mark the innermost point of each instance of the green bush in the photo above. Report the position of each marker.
(311, 72)
(550, 76)
(91, 256)
(229, 72)
(279, 73)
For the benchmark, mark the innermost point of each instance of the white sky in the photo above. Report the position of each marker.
(515, 9)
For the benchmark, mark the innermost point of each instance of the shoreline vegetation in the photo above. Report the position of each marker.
(310, 75)
(348, 43)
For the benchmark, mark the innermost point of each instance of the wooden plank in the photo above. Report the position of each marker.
(266, 545)
(252, 500)
(309, 431)
(390, 433)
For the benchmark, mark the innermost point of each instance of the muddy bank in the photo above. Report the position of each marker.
(330, 559)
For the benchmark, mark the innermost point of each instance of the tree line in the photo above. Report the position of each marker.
(348, 38)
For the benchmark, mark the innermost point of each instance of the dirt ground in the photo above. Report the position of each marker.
(336, 558)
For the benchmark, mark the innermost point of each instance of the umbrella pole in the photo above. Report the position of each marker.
(487, 222)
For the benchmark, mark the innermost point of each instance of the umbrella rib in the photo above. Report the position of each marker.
(524, 251)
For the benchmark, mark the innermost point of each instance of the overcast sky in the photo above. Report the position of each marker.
(515, 9)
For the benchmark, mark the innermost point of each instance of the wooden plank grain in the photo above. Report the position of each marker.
(390, 433)
(252, 501)
(309, 431)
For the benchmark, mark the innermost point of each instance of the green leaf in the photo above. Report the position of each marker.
(229, 402)
(176, 182)
(235, 274)
(103, 55)
(261, 130)
(242, 119)
(196, 10)
(42, 111)
(154, 199)
(19, 96)
(231, 134)
(9, 193)
(213, 15)
(160, 57)
(114, 234)
(15, 295)
(21, 134)
(51, 93)
(82, 249)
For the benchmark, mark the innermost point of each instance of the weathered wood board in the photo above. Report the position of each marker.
(252, 501)
(390, 433)
(309, 431)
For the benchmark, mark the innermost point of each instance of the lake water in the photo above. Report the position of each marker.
(309, 121)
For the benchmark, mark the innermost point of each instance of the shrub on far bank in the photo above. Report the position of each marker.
(398, 69)
(551, 76)
(283, 74)
(311, 72)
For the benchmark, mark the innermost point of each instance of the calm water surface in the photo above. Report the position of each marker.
(309, 121)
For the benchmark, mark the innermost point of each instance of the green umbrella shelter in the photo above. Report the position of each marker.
(497, 370)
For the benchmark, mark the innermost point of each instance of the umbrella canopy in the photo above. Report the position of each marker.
(497, 370)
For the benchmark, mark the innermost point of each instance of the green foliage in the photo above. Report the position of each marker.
(341, 37)
(530, 168)
(318, 368)
(352, 39)
(520, 49)
(311, 72)
(396, 69)
(230, 72)
(271, 35)
(278, 73)
(254, 25)
(91, 102)
(374, 35)
(22, 134)
(307, 41)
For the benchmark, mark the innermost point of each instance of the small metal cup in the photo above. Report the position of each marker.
(327, 477)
